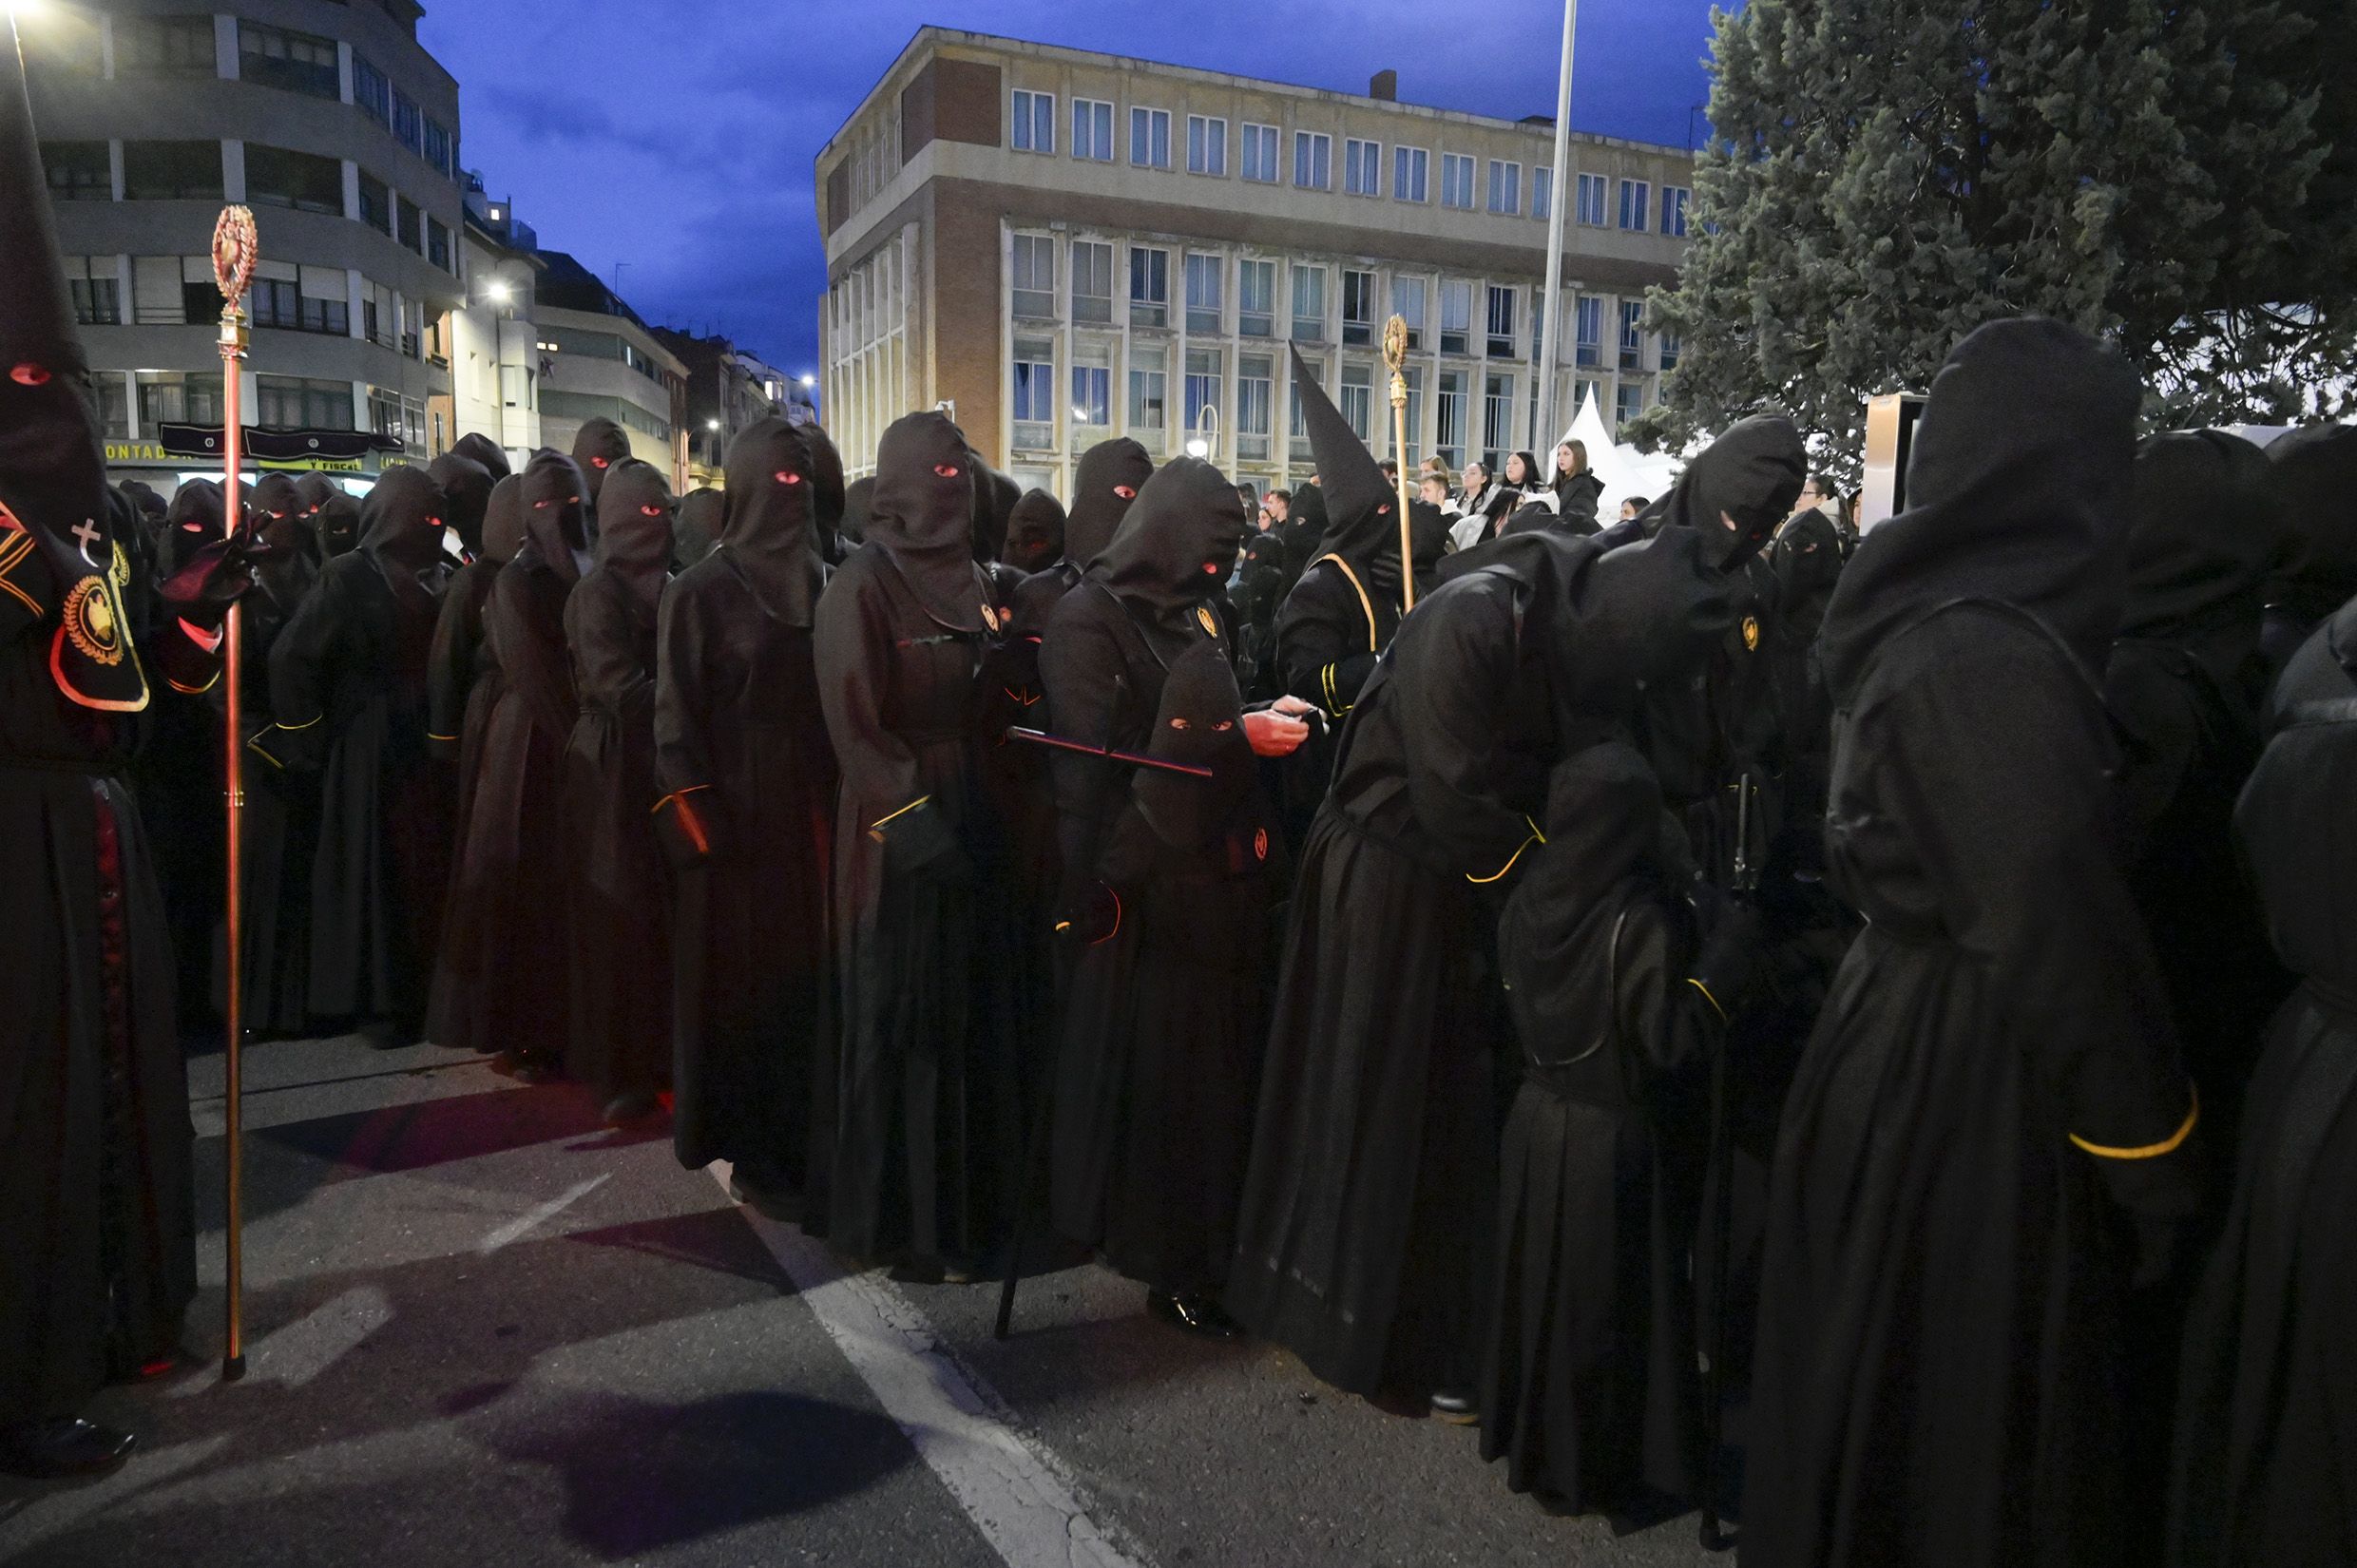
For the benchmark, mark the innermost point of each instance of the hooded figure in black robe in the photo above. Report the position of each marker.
(859, 501)
(1339, 615)
(995, 499)
(1589, 1387)
(1368, 1198)
(621, 1042)
(334, 512)
(828, 500)
(179, 767)
(1034, 534)
(96, 1224)
(478, 447)
(1992, 1077)
(2266, 1420)
(1110, 475)
(1805, 560)
(281, 823)
(926, 1120)
(1259, 594)
(597, 446)
(348, 691)
(462, 690)
(1162, 1028)
(466, 492)
(2315, 469)
(747, 780)
(1304, 529)
(696, 531)
(507, 950)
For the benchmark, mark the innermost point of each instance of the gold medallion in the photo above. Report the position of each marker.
(90, 622)
(1210, 627)
(990, 618)
(1260, 843)
(1750, 633)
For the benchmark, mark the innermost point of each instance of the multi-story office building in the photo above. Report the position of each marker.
(727, 390)
(329, 121)
(598, 358)
(1062, 246)
(494, 341)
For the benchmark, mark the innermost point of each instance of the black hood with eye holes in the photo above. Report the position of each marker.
(194, 520)
(466, 490)
(634, 533)
(924, 516)
(1753, 473)
(695, 530)
(598, 438)
(768, 523)
(556, 536)
(1034, 533)
(1201, 724)
(482, 450)
(503, 520)
(1097, 506)
(1187, 518)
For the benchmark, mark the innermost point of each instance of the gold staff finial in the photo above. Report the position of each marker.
(1395, 356)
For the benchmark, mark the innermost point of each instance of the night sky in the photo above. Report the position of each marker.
(676, 137)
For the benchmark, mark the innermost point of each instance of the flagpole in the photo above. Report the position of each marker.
(1395, 355)
(235, 248)
(1551, 316)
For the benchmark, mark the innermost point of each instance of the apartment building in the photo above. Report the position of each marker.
(1061, 246)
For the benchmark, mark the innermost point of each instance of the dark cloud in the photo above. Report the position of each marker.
(677, 137)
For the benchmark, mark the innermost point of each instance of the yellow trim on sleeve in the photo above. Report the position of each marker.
(193, 691)
(305, 724)
(1363, 602)
(1536, 837)
(902, 811)
(2150, 1151)
(1709, 998)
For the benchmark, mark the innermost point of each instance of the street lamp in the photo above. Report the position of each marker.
(1206, 433)
(499, 290)
(809, 381)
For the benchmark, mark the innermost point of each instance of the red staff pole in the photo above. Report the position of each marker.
(235, 248)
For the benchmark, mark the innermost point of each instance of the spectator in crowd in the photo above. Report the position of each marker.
(1634, 508)
(1578, 491)
(1274, 507)
(1434, 488)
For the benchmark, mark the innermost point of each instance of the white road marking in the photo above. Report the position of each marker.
(524, 1224)
(1021, 1498)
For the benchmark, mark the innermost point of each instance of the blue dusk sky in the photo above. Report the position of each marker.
(677, 137)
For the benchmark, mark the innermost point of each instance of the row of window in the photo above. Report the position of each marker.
(1035, 298)
(271, 56)
(588, 406)
(176, 290)
(1246, 424)
(602, 345)
(1032, 122)
(284, 402)
(275, 177)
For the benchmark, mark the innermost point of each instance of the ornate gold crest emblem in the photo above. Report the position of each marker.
(1750, 633)
(1203, 615)
(990, 618)
(1260, 843)
(90, 622)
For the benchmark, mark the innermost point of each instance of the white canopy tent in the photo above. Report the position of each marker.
(1624, 470)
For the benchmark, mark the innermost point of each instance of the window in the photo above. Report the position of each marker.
(180, 397)
(1357, 399)
(1543, 193)
(1669, 351)
(1035, 277)
(1207, 145)
(385, 412)
(1256, 298)
(1149, 397)
(1634, 195)
(298, 403)
(158, 299)
(1591, 194)
(372, 90)
(375, 204)
(1203, 293)
(1092, 281)
(407, 222)
(1034, 122)
(1296, 427)
(1411, 451)
(1590, 335)
(1149, 138)
(1035, 386)
(1358, 307)
(314, 301)
(379, 313)
(441, 147)
(1628, 402)
(165, 46)
(1674, 199)
(279, 178)
(1501, 322)
(1313, 158)
(1149, 287)
(1498, 416)
(1506, 187)
(1456, 182)
(78, 171)
(167, 171)
(1408, 167)
(1309, 303)
(1254, 384)
(1632, 334)
(409, 123)
(1092, 395)
(1450, 448)
(1204, 375)
(1362, 167)
(1261, 153)
(97, 290)
(1408, 304)
(1456, 317)
(280, 57)
(114, 402)
(1092, 129)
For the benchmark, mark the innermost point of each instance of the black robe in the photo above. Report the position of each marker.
(506, 948)
(622, 967)
(743, 761)
(1589, 1389)
(1166, 1016)
(180, 769)
(348, 696)
(1936, 1377)
(927, 1123)
(2266, 1426)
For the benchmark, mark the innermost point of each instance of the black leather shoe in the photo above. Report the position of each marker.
(66, 1445)
(1199, 1315)
(1455, 1406)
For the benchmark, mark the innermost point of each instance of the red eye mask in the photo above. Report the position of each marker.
(30, 374)
(787, 476)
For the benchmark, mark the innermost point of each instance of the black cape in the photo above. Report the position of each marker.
(2316, 473)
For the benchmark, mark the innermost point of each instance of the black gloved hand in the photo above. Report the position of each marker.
(214, 578)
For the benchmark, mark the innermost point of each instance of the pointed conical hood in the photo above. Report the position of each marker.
(1362, 509)
(57, 556)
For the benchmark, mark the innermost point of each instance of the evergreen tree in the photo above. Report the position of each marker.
(1885, 175)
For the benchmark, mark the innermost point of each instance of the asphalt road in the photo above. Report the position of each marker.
(483, 1329)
